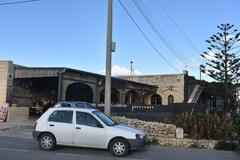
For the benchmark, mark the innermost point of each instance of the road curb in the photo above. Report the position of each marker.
(16, 125)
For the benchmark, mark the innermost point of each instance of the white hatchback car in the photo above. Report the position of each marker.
(86, 128)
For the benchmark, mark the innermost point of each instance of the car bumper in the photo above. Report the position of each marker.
(138, 144)
(35, 135)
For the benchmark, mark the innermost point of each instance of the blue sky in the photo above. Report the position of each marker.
(72, 33)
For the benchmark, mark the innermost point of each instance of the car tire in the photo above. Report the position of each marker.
(119, 147)
(47, 142)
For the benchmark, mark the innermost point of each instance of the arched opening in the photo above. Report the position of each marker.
(115, 96)
(156, 99)
(132, 97)
(170, 99)
(79, 92)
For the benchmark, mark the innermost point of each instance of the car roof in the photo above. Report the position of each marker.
(73, 102)
(87, 110)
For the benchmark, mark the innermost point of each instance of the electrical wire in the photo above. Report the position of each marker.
(179, 28)
(165, 35)
(146, 37)
(18, 2)
(156, 30)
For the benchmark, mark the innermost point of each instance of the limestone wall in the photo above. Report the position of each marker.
(171, 84)
(165, 134)
(6, 80)
(157, 129)
(17, 113)
(186, 143)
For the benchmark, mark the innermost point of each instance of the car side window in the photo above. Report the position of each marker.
(87, 120)
(61, 116)
(65, 105)
(80, 105)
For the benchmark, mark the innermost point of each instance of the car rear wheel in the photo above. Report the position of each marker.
(119, 147)
(47, 142)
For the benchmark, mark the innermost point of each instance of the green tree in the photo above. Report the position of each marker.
(222, 60)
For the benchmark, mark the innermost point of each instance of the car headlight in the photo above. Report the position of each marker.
(139, 137)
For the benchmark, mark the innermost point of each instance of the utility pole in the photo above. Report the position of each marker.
(107, 107)
(200, 72)
(131, 70)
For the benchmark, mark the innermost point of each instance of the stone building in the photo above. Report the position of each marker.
(180, 88)
(25, 86)
(6, 81)
(172, 88)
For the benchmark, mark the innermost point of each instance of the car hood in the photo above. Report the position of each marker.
(128, 129)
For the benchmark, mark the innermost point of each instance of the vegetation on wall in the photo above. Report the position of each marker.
(209, 126)
(225, 145)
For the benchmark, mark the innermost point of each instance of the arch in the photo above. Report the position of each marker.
(156, 99)
(79, 92)
(132, 97)
(170, 99)
(115, 96)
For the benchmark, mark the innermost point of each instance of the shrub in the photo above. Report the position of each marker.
(206, 126)
(237, 126)
(154, 141)
(224, 145)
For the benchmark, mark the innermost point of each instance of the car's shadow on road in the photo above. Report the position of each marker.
(237, 152)
(93, 151)
(82, 150)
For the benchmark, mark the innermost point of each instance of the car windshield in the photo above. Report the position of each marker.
(105, 119)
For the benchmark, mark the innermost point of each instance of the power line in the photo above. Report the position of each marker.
(18, 2)
(145, 36)
(156, 30)
(166, 37)
(178, 27)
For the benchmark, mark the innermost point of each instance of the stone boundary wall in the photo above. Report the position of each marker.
(186, 143)
(157, 129)
(17, 114)
(165, 134)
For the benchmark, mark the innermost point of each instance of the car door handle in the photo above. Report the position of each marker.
(78, 127)
(51, 125)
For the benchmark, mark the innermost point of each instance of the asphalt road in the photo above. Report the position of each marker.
(12, 148)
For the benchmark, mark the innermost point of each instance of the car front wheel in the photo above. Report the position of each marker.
(47, 142)
(119, 147)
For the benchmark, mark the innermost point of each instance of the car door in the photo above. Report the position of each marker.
(61, 126)
(88, 131)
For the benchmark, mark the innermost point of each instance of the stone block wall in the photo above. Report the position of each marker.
(165, 134)
(150, 128)
(170, 84)
(6, 80)
(17, 114)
